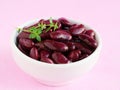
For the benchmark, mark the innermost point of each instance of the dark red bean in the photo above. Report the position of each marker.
(45, 35)
(83, 56)
(60, 35)
(34, 53)
(23, 35)
(82, 48)
(44, 53)
(71, 46)
(74, 55)
(41, 21)
(26, 43)
(22, 49)
(88, 40)
(77, 29)
(91, 33)
(59, 58)
(64, 22)
(55, 45)
(84, 31)
(47, 60)
(40, 45)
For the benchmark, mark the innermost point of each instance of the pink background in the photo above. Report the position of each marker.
(104, 15)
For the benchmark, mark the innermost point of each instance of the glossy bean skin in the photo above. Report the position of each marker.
(83, 56)
(74, 55)
(34, 53)
(65, 22)
(71, 46)
(59, 58)
(26, 43)
(91, 33)
(23, 35)
(47, 60)
(82, 48)
(88, 40)
(44, 53)
(77, 29)
(22, 49)
(40, 45)
(60, 35)
(45, 35)
(55, 45)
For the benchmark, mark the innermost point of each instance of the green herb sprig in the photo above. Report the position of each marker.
(35, 31)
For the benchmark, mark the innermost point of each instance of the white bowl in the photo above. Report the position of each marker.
(53, 74)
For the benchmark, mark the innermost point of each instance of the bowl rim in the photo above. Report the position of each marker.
(30, 22)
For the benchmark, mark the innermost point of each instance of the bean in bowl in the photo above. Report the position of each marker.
(56, 41)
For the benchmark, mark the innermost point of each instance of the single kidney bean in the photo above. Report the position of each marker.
(60, 35)
(34, 53)
(77, 29)
(40, 45)
(71, 46)
(47, 60)
(91, 33)
(45, 35)
(88, 40)
(59, 58)
(74, 55)
(23, 35)
(22, 49)
(83, 56)
(26, 43)
(82, 48)
(41, 21)
(64, 22)
(44, 53)
(55, 45)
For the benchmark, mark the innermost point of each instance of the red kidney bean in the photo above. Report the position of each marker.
(26, 43)
(59, 58)
(83, 56)
(22, 49)
(47, 60)
(41, 21)
(60, 35)
(82, 48)
(64, 22)
(40, 45)
(77, 29)
(45, 35)
(74, 55)
(23, 35)
(55, 45)
(91, 33)
(84, 31)
(44, 53)
(88, 40)
(34, 53)
(71, 46)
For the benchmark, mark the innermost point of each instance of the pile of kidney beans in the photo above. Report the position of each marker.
(71, 42)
